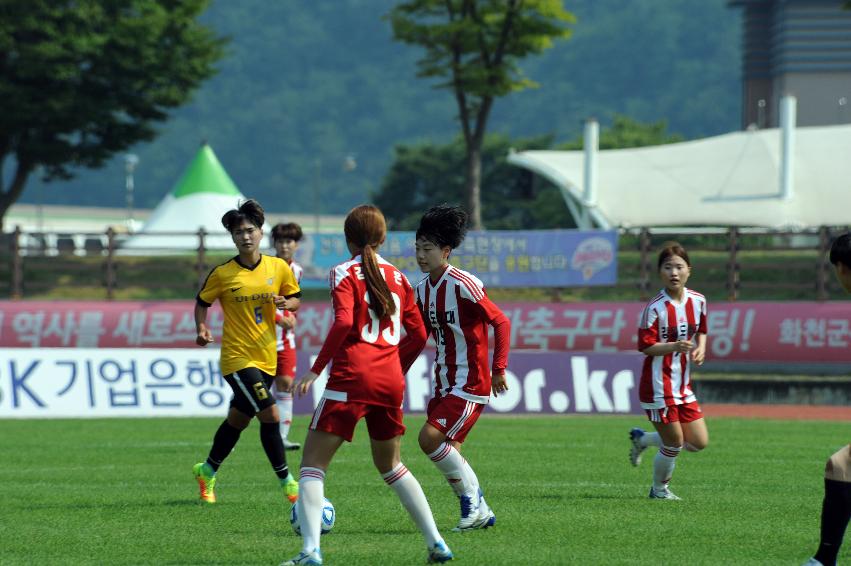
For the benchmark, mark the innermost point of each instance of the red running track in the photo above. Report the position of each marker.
(782, 412)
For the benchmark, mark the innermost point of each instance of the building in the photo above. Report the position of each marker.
(796, 47)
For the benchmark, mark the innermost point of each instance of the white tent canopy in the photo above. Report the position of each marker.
(728, 180)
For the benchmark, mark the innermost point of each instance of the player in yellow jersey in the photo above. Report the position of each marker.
(249, 287)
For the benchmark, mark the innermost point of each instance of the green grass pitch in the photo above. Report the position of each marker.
(122, 492)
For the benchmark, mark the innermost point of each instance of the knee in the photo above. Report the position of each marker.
(429, 442)
(697, 445)
(838, 466)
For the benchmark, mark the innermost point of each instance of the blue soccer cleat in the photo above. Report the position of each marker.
(636, 449)
(313, 558)
(439, 553)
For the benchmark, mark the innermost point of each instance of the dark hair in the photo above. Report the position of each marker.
(840, 250)
(365, 229)
(444, 225)
(672, 249)
(289, 231)
(249, 210)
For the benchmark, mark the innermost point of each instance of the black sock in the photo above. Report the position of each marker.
(270, 437)
(835, 511)
(224, 441)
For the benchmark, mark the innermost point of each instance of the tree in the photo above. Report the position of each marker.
(626, 132)
(82, 80)
(474, 46)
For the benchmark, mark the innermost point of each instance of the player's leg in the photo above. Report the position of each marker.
(666, 423)
(332, 423)
(226, 437)
(385, 432)
(695, 433)
(836, 506)
(281, 390)
(639, 441)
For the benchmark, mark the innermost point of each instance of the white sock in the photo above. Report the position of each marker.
(284, 401)
(311, 496)
(414, 500)
(650, 439)
(451, 464)
(663, 466)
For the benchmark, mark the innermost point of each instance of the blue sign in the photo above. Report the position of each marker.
(540, 258)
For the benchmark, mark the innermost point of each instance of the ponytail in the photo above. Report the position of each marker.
(380, 299)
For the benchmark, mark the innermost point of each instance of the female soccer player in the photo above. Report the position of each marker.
(836, 505)
(249, 287)
(285, 238)
(372, 302)
(455, 306)
(672, 334)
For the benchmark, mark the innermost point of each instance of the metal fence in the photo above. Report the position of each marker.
(728, 264)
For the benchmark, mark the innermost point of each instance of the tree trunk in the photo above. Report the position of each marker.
(10, 196)
(474, 184)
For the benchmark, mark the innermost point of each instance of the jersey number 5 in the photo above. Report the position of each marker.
(391, 334)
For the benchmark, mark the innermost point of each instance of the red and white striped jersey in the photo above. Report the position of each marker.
(666, 380)
(457, 311)
(286, 341)
(364, 350)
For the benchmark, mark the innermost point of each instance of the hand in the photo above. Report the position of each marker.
(498, 383)
(280, 301)
(683, 346)
(284, 383)
(303, 385)
(698, 355)
(204, 336)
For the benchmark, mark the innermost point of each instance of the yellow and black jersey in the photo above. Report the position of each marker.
(245, 293)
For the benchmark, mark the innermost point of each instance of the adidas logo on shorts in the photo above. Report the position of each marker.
(441, 422)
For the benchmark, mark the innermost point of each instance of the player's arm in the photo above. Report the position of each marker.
(203, 301)
(289, 294)
(648, 337)
(699, 353)
(414, 341)
(502, 340)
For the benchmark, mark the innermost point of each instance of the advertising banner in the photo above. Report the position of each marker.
(84, 382)
(540, 258)
(738, 331)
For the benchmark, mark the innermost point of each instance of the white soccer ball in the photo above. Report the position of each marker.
(329, 515)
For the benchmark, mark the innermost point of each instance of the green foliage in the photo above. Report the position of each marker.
(84, 80)
(426, 174)
(120, 491)
(627, 132)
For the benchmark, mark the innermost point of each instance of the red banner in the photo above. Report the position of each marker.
(742, 331)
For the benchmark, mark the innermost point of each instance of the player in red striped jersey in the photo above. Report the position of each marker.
(836, 505)
(672, 334)
(285, 239)
(458, 311)
(372, 301)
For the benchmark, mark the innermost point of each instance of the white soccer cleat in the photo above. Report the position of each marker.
(439, 553)
(475, 514)
(313, 558)
(813, 562)
(636, 449)
(291, 445)
(663, 494)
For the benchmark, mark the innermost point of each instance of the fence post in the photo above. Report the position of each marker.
(733, 264)
(111, 279)
(822, 264)
(643, 271)
(201, 266)
(17, 265)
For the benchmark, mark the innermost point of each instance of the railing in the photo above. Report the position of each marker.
(728, 264)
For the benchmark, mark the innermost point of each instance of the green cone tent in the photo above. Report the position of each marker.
(199, 199)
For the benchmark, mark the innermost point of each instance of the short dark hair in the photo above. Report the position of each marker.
(672, 249)
(288, 231)
(840, 250)
(444, 225)
(249, 210)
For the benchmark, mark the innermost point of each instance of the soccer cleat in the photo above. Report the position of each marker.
(206, 482)
(663, 494)
(636, 449)
(477, 516)
(313, 558)
(291, 445)
(439, 553)
(291, 489)
(813, 562)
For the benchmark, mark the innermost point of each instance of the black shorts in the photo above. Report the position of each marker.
(250, 390)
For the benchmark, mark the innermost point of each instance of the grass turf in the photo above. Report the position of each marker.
(121, 492)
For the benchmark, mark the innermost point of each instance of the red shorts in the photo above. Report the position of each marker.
(453, 416)
(341, 418)
(286, 362)
(685, 413)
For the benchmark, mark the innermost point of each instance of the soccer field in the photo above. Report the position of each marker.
(122, 492)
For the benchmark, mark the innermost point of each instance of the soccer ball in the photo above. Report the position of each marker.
(328, 518)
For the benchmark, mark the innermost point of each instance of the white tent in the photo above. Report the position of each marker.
(728, 180)
(199, 199)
